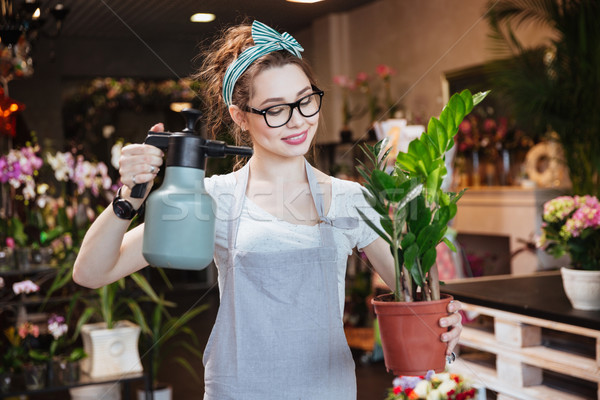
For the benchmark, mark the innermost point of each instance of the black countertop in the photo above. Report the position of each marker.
(540, 295)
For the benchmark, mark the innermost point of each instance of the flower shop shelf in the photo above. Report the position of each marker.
(533, 334)
(125, 380)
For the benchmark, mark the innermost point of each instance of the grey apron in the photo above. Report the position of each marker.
(279, 332)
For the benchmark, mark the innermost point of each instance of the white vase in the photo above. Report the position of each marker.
(107, 391)
(163, 393)
(582, 288)
(111, 351)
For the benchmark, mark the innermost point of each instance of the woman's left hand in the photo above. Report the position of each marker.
(453, 322)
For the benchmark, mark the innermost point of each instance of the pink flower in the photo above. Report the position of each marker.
(384, 71)
(362, 77)
(465, 127)
(29, 329)
(25, 287)
(10, 242)
(489, 125)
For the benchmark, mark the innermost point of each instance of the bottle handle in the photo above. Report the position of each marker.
(156, 139)
(138, 190)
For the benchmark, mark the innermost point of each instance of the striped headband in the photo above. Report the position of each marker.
(266, 40)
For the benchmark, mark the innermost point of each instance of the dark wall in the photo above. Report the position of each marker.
(60, 63)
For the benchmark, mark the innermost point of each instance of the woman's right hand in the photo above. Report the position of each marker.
(140, 163)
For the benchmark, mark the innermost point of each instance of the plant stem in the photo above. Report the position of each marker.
(407, 284)
(434, 282)
(398, 290)
(426, 288)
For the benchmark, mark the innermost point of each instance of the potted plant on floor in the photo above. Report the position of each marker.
(163, 337)
(414, 214)
(112, 343)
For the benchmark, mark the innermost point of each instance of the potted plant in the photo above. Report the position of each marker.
(414, 214)
(112, 343)
(157, 342)
(571, 226)
(12, 359)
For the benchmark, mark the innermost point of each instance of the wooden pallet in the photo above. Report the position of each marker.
(521, 356)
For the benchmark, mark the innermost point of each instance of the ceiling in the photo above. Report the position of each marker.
(156, 19)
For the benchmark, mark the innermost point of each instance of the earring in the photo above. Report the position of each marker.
(242, 127)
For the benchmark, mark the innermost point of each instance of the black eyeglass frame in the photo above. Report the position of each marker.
(293, 105)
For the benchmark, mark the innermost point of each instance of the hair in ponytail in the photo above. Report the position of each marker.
(217, 58)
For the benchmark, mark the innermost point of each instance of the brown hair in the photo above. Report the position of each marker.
(218, 57)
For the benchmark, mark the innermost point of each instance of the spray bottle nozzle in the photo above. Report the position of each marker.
(186, 149)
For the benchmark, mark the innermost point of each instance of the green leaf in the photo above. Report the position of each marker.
(428, 259)
(406, 161)
(459, 107)
(478, 97)
(382, 180)
(419, 215)
(450, 245)
(408, 239)
(410, 257)
(388, 225)
(375, 228)
(427, 238)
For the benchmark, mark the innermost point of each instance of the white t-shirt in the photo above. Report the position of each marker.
(262, 232)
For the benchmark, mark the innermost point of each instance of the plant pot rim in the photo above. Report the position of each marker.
(582, 271)
(387, 298)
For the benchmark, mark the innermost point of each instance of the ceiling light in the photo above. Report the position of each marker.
(202, 17)
(178, 106)
(304, 1)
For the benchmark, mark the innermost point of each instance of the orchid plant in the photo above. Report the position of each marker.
(414, 209)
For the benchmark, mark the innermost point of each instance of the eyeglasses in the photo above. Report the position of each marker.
(280, 114)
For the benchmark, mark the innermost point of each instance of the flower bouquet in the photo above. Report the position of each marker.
(571, 226)
(442, 386)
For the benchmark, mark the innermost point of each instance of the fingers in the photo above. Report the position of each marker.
(454, 324)
(139, 163)
(454, 306)
(158, 127)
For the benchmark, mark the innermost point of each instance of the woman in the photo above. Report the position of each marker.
(284, 231)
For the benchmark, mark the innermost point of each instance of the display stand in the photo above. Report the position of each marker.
(85, 380)
(527, 312)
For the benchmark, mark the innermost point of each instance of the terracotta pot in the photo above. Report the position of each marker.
(410, 334)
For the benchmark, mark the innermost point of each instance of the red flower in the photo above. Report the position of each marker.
(398, 390)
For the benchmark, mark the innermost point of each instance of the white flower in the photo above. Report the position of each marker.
(25, 287)
(422, 388)
(57, 329)
(436, 394)
(447, 385)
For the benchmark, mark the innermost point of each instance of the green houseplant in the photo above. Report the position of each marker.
(115, 305)
(414, 214)
(553, 86)
(164, 336)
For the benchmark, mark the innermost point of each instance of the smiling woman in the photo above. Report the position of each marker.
(283, 233)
